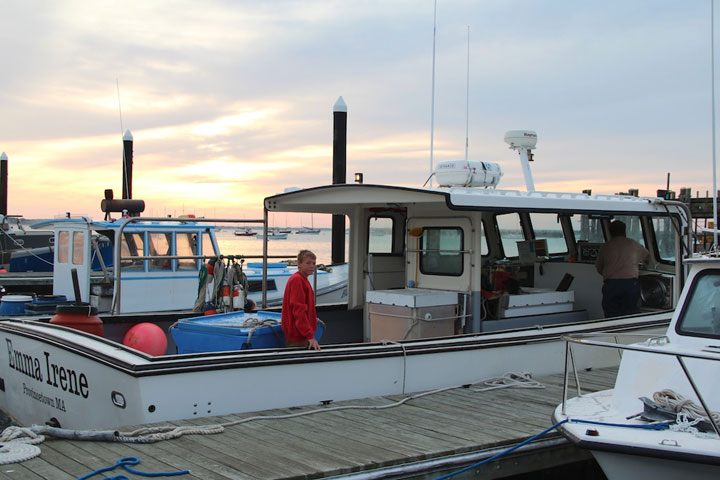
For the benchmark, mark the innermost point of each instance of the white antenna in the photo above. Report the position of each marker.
(432, 100)
(467, 99)
(712, 75)
(117, 84)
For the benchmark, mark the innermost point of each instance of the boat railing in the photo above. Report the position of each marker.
(128, 221)
(647, 347)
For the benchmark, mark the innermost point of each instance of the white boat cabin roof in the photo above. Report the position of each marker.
(346, 198)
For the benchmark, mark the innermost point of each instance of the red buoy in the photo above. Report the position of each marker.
(146, 337)
(80, 317)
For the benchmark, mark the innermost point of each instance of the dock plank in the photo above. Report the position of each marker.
(333, 442)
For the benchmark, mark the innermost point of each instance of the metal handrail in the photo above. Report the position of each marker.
(583, 339)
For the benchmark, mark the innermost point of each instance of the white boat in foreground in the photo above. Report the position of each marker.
(445, 286)
(656, 422)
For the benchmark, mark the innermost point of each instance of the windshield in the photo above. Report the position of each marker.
(701, 314)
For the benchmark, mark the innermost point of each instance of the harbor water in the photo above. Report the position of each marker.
(252, 246)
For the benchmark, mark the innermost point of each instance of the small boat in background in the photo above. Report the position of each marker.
(307, 231)
(274, 236)
(311, 230)
(245, 232)
(23, 249)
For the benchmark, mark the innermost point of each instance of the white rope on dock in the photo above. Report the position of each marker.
(18, 444)
(16, 436)
(157, 434)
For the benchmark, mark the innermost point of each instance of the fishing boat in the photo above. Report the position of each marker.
(662, 418)
(445, 285)
(161, 263)
(245, 232)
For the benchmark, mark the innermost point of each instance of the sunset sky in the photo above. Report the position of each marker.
(230, 101)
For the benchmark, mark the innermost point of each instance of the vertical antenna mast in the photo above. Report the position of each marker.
(467, 100)
(432, 99)
(712, 75)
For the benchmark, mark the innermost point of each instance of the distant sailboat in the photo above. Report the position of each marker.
(286, 229)
(309, 230)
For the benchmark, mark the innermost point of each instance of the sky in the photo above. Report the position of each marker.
(230, 101)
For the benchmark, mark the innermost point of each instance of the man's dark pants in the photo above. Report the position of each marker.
(620, 297)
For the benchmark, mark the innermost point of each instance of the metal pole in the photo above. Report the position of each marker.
(339, 177)
(712, 77)
(127, 165)
(265, 249)
(3, 184)
(432, 97)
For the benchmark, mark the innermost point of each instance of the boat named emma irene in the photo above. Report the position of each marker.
(446, 286)
(662, 419)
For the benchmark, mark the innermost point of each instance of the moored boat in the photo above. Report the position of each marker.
(662, 419)
(438, 279)
(273, 235)
(245, 232)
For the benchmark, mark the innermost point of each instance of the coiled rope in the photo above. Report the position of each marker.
(673, 401)
(19, 444)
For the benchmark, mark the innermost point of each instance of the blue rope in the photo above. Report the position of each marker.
(649, 426)
(653, 426)
(125, 462)
(504, 452)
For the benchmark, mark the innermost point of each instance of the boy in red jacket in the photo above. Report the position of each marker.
(298, 317)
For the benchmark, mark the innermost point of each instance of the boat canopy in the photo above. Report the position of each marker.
(347, 198)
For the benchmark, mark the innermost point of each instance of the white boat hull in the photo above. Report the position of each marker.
(618, 466)
(156, 389)
(629, 454)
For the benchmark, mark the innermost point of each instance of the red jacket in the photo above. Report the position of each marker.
(298, 316)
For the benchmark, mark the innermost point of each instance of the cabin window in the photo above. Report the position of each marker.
(380, 234)
(665, 233)
(208, 250)
(441, 251)
(633, 228)
(587, 228)
(186, 245)
(547, 226)
(256, 286)
(701, 313)
(132, 246)
(160, 244)
(63, 247)
(78, 248)
(510, 231)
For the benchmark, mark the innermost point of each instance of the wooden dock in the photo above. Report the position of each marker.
(429, 436)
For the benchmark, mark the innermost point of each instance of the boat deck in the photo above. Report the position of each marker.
(460, 425)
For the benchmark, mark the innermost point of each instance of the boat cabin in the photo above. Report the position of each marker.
(159, 261)
(430, 262)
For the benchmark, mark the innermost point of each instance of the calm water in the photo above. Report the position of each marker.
(231, 244)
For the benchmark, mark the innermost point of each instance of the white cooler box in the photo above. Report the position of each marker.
(411, 313)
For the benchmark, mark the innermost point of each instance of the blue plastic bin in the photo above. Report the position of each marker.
(14, 304)
(227, 331)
